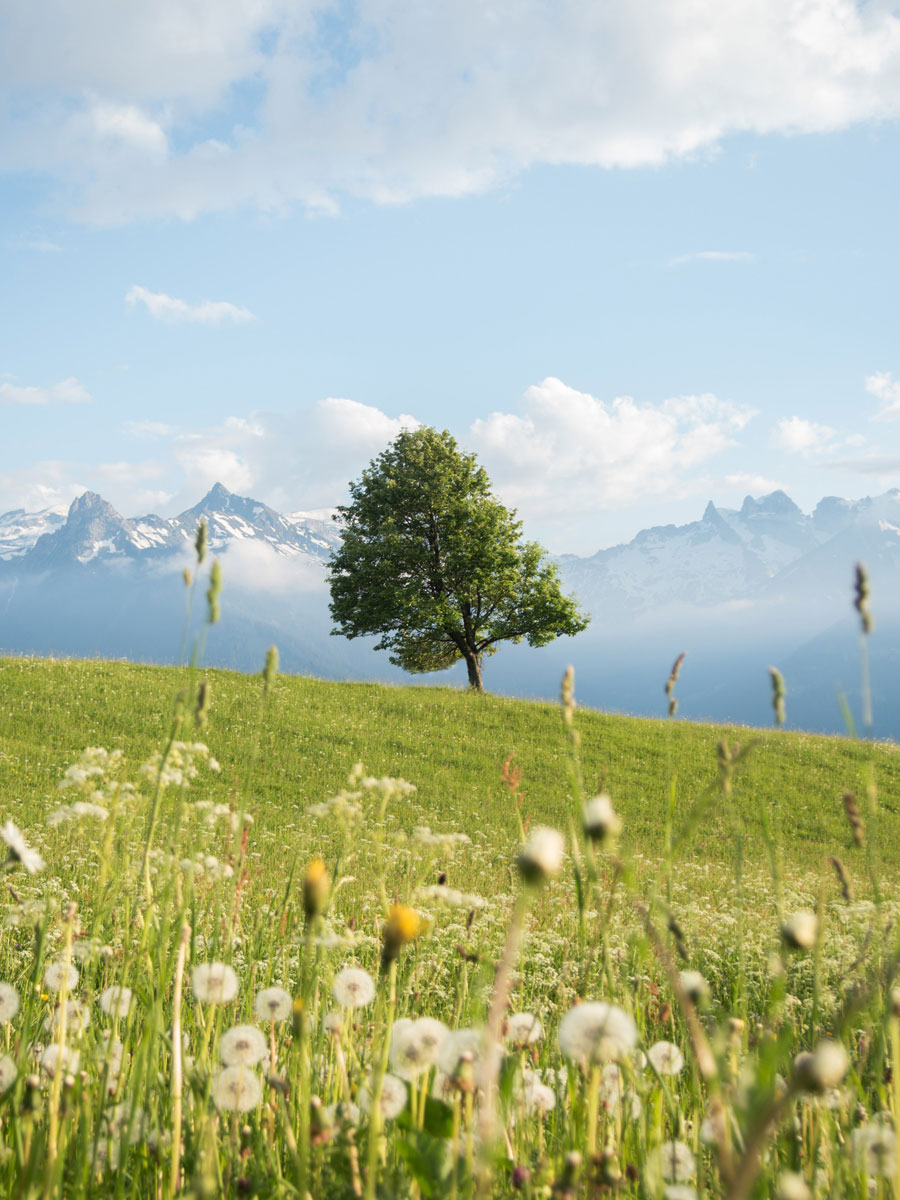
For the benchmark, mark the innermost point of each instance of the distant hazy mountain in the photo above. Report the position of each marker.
(739, 589)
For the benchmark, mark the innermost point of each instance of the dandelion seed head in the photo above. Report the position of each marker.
(821, 1070)
(19, 850)
(874, 1149)
(393, 1097)
(800, 930)
(353, 987)
(542, 854)
(9, 1002)
(416, 1047)
(55, 1056)
(665, 1058)
(214, 983)
(672, 1162)
(600, 820)
(116, 1001)
(78, 1017)
(8, 1073)
(236, 1089)
(597, 1032)
(273, 1004)
(695, 986)
(60, 975)
(791, 1186)
(523, 1029)
(242, 1046)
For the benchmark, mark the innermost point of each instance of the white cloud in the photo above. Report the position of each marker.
(67, 391)
(569, 454)
(758, 484)
(394, 102)
(742, 256)
(129, 472)
(885, 388)
(47, 484)
(149, 429)
(174, 311)
(257, 566)
(796, 435)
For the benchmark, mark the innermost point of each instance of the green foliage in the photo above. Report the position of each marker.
(434, 563)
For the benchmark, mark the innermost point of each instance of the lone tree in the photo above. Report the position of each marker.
(433, 562)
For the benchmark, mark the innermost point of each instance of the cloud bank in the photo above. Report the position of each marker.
(67, 391)
(179, 108)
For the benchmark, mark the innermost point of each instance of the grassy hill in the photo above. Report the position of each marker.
(726, 834)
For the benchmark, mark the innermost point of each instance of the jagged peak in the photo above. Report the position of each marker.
(90, 504)
(711, 513)
(777, 502)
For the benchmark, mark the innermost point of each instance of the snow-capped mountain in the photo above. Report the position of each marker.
(93, 531)
(19, 530)
(738, 589)
(732, 555)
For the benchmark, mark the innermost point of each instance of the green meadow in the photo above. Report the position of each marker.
(729, 927)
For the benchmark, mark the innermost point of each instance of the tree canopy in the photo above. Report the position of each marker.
(435, 564)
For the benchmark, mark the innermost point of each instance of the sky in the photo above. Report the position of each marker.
(636, 256)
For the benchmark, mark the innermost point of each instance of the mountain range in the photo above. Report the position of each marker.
(736, 588)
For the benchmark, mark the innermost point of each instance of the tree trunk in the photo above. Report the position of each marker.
(473, 665)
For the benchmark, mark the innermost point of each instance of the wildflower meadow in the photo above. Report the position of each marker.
(282, 938)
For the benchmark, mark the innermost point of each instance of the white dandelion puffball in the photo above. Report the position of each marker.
(800, 930)
(665, 1058)
(695, 986)
(823, 1069)
(353, 987)
(874, 1150)
(273, 1004)
(393, 1097)
(19, 850)
(8, 1073)
(524, 1029)
(236, 1089)
(679, 1191)
(9, 1002)
(51, 1058)
(116, 1001)
(417, 1045)
(542, 854)
(60, 975)
(78, 1017)
(214, 983)
(110, 1051)
(456, 1044)
(599, 819)
(344, 1112)
(538, 1096)
(791, 1186)
(242, 1046)
(673, 1162)
(597, 1032)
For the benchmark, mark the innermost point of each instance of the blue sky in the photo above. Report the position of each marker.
(636, 256)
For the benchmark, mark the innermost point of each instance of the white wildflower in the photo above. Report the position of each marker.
(353, 987)
(9, 1002)
(597, 1032)
(60, 975)
(393, 1097)
(695, 986)
(800, 930)
(791, 1186)
(19, 851)
(8, 1073)
(665, 1058)
(874, 1149)
(417, 1046)
(823, 1069)
(242, 1046)
(523, 1029)
(273, 1004)
(542, 854)
(599, 819)
(214, 983)
(671, 1162)
(116, 1001)
(50, 1058)
(236, 1089)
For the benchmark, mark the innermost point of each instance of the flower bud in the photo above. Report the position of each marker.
(402, 926)
(316, 888)
(541, 856)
